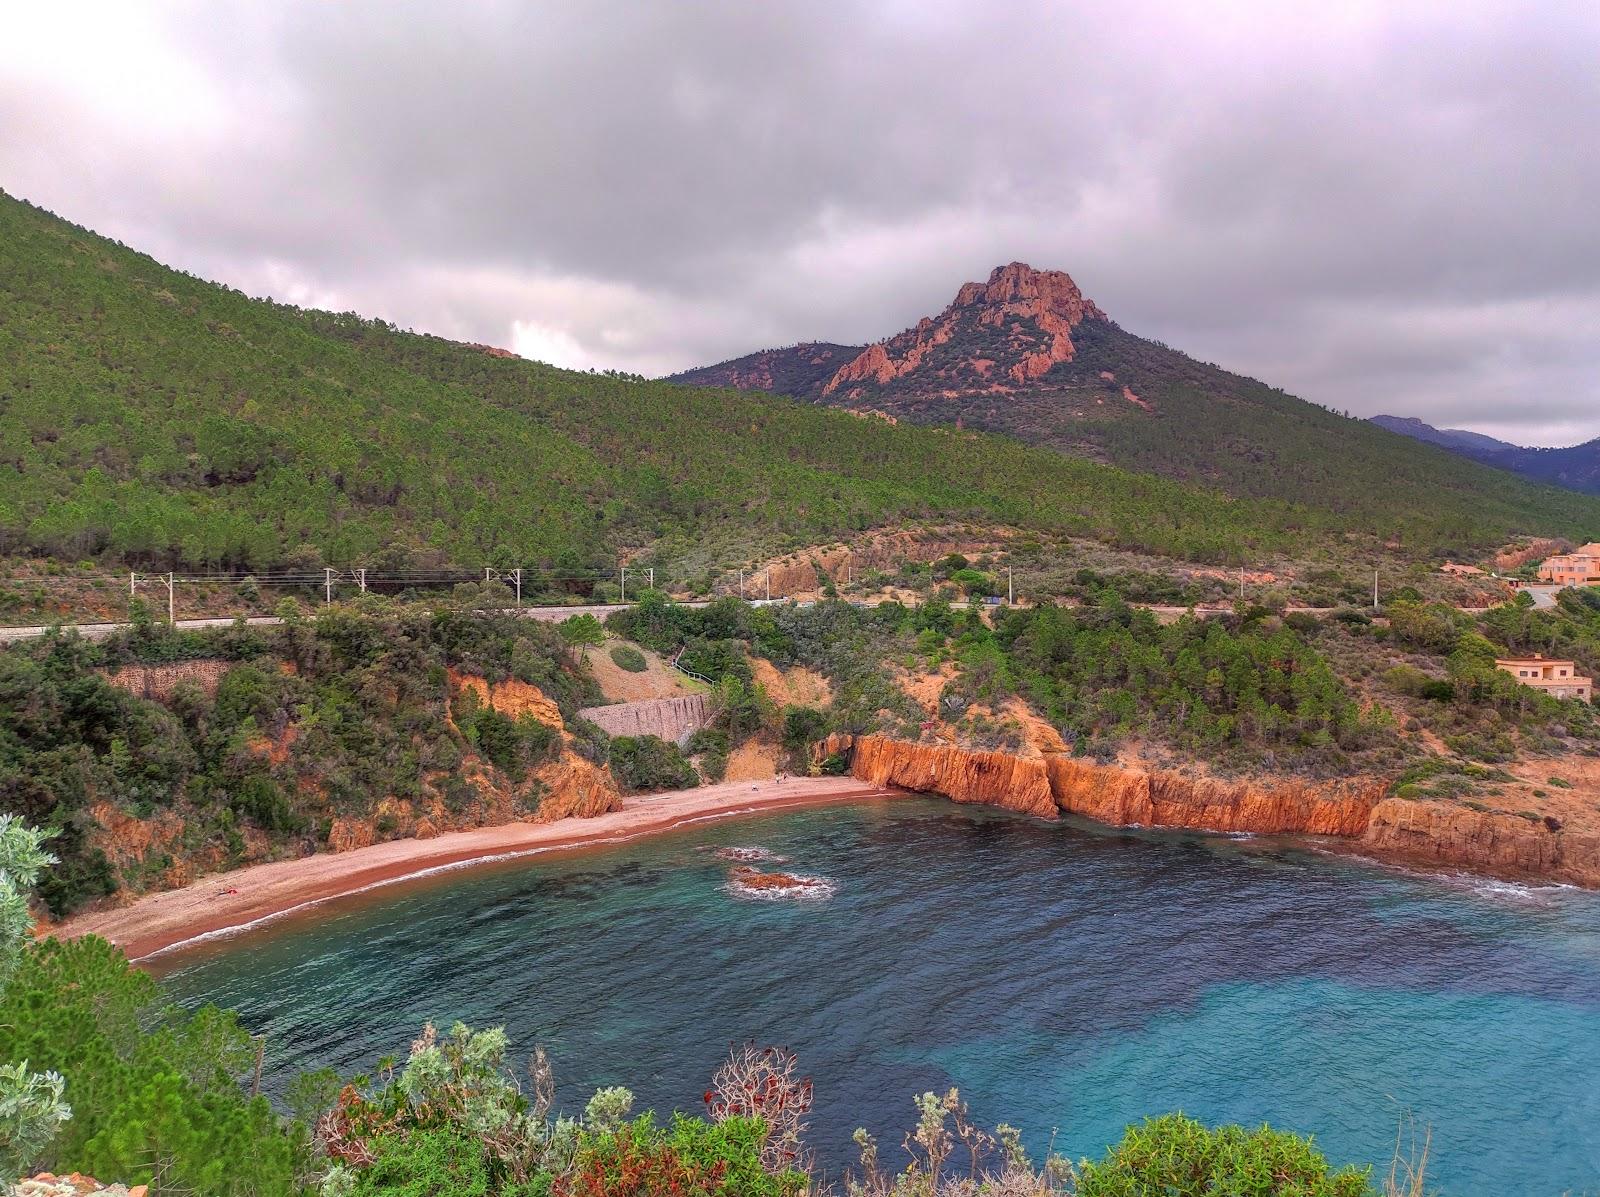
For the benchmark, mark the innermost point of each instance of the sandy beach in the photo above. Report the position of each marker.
(225, 901)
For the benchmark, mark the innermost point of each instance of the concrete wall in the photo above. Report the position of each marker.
(674, 719)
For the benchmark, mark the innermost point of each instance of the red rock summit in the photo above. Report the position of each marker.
(997, 335)
(995, 340)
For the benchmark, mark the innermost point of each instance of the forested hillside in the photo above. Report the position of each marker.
(152, 419)
(1026, 354)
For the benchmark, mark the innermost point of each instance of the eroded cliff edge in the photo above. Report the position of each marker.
(1358, 812)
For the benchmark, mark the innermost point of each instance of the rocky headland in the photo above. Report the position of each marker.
(1359, 813)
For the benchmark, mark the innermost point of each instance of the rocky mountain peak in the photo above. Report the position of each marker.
(1019, 283)
(995, 336)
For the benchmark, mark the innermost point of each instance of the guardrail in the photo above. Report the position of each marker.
(699, 677)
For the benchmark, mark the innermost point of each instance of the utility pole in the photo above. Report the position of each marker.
(133, 584)
(652, 571)
(1241, 581)
(327, 584)
(361, 579)
(768, 576)
(1011, 594)
(172, 620)
(624, 584)
(516, 575)
(1374, 590)
(741, 584)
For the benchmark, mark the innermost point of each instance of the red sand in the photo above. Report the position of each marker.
(225, 901)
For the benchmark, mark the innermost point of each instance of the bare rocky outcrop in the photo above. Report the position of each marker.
(1443, 835)
(575, 788)
(1357, 811)
(74, 1184)
(960, 774)
(1038, 309)
(1158, 798)
(510, 697)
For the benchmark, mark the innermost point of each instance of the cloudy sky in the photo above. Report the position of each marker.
(1382, 207)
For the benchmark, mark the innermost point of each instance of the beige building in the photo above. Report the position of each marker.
(1581, 567)
(1559, 679)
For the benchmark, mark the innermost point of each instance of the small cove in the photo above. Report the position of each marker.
(1067, 978)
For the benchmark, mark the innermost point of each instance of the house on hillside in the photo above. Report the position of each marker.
(1456, 570)
(1581, 567)
(1559, 679)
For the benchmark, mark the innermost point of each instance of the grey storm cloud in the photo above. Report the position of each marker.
(1378, 206)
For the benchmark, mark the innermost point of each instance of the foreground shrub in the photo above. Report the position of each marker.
(764, 1083)
(689, 1158)
(424, 1165)
(153, 1089)
(1178, 1157)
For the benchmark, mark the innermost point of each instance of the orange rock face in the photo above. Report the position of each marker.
(1014, 294)
(510, 697)
(1442, 835)
(575, 788)
(1357, 810)
(960, 774)
(1129, 797)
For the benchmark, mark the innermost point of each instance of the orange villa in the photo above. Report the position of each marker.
(1559, 679)
(1581, 567)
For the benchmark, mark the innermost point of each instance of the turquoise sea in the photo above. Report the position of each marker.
(1067, 978)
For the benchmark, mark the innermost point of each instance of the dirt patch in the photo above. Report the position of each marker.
(754, 760)
(1038, 734)
(1563, 788)
(659, 679)
(796, 686)
(924, 688)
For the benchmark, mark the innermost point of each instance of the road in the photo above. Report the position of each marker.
(1543, 597)
(99, 631)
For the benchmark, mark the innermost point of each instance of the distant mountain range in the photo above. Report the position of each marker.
(1027, 354)
(1575, 468)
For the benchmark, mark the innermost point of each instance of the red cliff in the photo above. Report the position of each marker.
(960, 774)
(1132, 797)
(1356, 810)
(1442, 835)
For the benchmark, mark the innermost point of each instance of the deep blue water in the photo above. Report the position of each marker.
(1068, 979)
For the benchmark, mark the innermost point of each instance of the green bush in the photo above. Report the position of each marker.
(151, 1087)
(650, 763)
(711, 746)
(1175, 1156)
(426, 1165)
(802, 727)
(625, 656)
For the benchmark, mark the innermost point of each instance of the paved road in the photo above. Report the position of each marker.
(1543, 596)
(99, 631)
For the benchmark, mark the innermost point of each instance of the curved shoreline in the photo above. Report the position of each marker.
(232, 902)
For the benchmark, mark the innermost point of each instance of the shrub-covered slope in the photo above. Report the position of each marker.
(158, 420)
